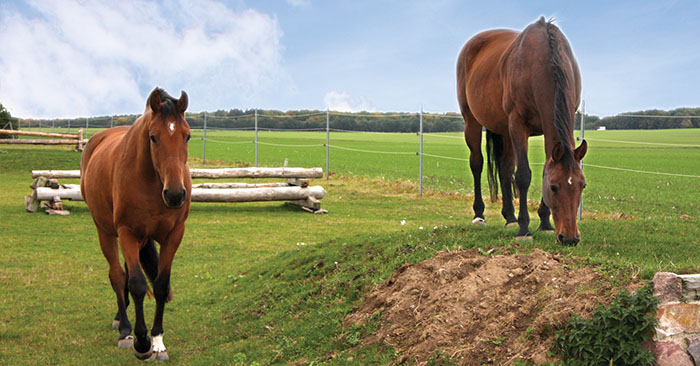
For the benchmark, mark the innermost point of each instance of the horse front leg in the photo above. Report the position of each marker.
(161, 288)
(523, 175)
(130, 246)
(544, 212)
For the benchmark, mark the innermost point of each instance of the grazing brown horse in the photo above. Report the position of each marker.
(517, 85)
(136, 183)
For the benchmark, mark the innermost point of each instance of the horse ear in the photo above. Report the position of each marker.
(580, 151)
(557, 151)
(182, 102)
(154, 100)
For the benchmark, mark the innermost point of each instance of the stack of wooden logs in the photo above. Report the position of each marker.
(56, 138)
(295, 190)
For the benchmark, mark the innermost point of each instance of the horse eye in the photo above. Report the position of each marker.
(153, 138)
(554, 188)
(188, 138)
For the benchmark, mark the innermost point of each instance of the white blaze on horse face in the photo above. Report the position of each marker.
(171, 128)
(569, 181)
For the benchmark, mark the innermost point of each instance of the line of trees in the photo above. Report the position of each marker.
(652, 119)
(273, 119)
(365, 121)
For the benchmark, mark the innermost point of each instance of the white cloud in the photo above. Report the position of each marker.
(341, 101)
(77, 58)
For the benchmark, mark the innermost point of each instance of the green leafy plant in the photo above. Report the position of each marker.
(613, 333)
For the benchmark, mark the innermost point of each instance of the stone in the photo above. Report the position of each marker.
(694, 351)
(677, 319)
(690, 287)
(668, 287)
(670, 354)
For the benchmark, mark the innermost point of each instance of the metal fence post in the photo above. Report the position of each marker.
(420, 170)
(53, 122)
(204, 140)
(256, 138)
(69, 126)
(328, 135)
(583, 127)
(111, 121)
(87, 131)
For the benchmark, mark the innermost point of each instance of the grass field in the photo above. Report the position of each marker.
(247, 291)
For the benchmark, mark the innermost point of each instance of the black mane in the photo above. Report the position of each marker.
(169, 106)
(562, 112)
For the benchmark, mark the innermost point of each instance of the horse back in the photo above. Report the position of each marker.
(478, 80)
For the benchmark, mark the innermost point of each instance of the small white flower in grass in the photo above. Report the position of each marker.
(435, 227)
(420, 228)
(403, 222)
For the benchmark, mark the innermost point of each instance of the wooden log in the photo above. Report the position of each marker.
(41, 134)
(257, 173)
(47, 194)
(256, 194)
(72, 192)
(213, 173)
(56, 173)
(309, 202)
(31, 202)
(238, 185)
(38, 142)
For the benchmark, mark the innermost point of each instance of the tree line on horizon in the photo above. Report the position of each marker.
(362, 121)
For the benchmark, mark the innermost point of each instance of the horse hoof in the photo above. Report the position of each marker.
(478, 221)
(115, 324)
(143, 356)
(524, 239)
(127, 342)
(512, 224)
(161, 356)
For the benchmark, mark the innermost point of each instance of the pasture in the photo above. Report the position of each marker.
(265, 283)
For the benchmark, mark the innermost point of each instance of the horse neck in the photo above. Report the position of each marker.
(137, 149)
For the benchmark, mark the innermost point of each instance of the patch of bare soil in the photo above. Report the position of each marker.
(479, 309)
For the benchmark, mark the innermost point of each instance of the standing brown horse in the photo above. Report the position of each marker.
(136, 183)
(517, 85)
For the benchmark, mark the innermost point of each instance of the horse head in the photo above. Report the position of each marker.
(562, 185)
(169, 133)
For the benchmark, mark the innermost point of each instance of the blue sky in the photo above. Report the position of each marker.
(74, 58)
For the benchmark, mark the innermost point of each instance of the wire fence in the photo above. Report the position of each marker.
(334, 124)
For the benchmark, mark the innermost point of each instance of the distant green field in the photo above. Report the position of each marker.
(247, 290)
(393, 156)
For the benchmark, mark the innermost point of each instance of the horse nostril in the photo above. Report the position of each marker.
(560, 238)
(165, 192)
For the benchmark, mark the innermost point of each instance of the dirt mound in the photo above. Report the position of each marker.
(481, 309)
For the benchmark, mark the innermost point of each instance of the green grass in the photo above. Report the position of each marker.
(245, 287)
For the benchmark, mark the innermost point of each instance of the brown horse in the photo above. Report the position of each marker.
(136, 183)
(517, 85)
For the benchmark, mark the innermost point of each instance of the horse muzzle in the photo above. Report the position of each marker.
(174, 198)
(568, 240)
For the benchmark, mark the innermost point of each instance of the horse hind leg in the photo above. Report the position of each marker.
(117, 278)
(472, 136)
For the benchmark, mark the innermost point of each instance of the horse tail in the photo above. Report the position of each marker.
(149, 263)
(495, 147)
